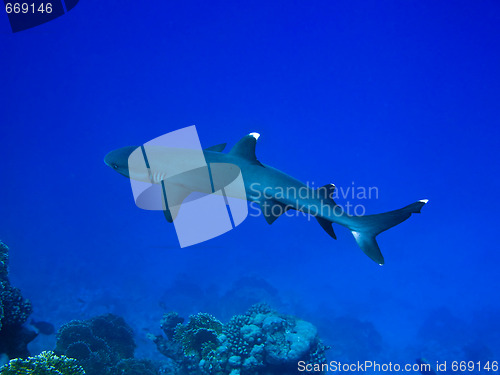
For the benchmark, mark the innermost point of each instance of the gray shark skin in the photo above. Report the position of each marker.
(276, 192)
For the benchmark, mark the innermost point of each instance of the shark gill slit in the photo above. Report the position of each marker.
(145, 156)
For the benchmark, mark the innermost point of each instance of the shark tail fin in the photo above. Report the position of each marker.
(366, 228)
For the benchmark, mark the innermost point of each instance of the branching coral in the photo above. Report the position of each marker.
(46, 363)
(199, 334)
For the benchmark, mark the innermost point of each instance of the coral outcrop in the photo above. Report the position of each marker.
(199, 335)
(46, 363)
(14, 311)
(103, 345)
(260, 342)
(169, 323)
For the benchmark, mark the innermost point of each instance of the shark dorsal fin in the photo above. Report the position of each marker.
(217, 148)
(326, 193)
(245, 148)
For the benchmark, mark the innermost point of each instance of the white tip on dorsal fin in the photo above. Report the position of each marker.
(245, 148)
(424, 200)
(327, 193)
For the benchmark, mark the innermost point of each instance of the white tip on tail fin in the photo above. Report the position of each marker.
(369, 246)
(366, 228)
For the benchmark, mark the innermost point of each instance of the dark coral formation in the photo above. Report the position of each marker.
(261, 342)
(169, 323)
(14, 311)
(134, 366)
(46, 363)
(103, 345)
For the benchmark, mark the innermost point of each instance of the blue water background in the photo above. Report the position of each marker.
(401, 96)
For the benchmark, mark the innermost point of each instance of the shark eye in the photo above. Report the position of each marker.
(115, 166)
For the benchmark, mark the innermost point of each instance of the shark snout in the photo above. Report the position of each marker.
(118, 159)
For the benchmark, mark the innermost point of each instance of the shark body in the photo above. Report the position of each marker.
(275, 191)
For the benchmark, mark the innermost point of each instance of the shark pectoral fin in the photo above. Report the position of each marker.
(245, 148)
(166, 211)
(217, 148)
(168, 215)
(327, 226)
(272, 209)
(176, 196)
(369, 245)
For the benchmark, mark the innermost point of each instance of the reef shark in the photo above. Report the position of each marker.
(276, 192)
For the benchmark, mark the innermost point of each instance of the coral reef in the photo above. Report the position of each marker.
(46, 363)
(103, 345)
(14, 311)
(261, 342)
